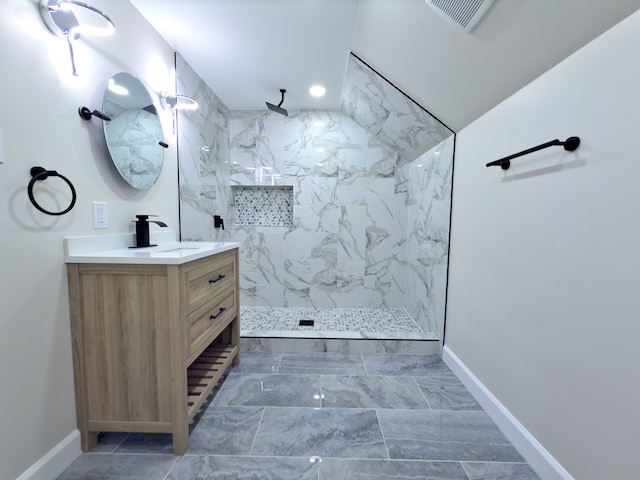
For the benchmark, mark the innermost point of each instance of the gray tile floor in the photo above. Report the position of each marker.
(322, 416)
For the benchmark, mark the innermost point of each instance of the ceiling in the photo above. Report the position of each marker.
(246, 50)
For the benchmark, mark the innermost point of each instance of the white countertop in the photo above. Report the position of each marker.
(113, 249)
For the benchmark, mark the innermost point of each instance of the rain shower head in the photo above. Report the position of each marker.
(277, 108)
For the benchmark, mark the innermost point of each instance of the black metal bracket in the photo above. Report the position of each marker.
(86, 114)
(570, 144)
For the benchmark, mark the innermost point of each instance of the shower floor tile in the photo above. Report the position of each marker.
(348, 323)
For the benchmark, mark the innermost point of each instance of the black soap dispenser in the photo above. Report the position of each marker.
(142, 230)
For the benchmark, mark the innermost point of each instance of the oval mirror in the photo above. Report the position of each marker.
(134, 133)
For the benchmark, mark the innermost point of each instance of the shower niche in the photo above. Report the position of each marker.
(262, 205)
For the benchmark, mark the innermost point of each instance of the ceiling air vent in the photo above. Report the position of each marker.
(463, 13)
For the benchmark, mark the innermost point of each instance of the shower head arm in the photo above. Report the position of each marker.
(278, 108)
(282, 91)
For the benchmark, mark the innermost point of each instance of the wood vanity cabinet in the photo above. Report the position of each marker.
(150, 342)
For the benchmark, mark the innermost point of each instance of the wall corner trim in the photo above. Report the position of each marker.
(56, 461)
(538, 458)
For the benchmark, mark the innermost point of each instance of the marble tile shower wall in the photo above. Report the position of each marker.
(371, 197)
(203, 153)
(362, 230)
(388, 115)
(427, 182)
(321, 261)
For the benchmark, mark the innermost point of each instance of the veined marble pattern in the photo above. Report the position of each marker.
(203, 158)
(371, 197)
(388, 114)
(133, 136)
(288, 341)
(428, 183)
(361, 242)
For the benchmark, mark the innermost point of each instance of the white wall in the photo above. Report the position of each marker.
(544, 268)
(40, 125)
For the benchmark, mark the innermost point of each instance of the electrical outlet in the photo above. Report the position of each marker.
(100, 215)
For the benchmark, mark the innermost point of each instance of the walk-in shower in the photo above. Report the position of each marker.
(342, 216)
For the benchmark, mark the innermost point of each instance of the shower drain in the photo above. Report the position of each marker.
(306, 323)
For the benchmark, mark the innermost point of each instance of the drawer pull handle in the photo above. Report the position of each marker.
(220, 277)
(220, 312)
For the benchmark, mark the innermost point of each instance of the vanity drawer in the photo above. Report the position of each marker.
(209, 320)
(206, 278)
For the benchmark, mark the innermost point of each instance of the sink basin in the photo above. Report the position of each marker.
(178, 249)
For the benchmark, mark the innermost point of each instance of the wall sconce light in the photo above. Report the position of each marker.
(174, 101)
(177, 102)
(59, 18)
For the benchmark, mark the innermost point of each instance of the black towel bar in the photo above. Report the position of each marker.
(570, 144)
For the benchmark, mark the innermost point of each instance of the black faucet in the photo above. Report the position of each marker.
(142, 230)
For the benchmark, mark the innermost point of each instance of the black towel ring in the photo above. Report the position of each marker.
(39, 173)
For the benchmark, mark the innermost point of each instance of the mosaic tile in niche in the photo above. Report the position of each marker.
(263, 206)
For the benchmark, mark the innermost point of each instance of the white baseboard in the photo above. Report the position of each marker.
(56, 460)
(538, 458)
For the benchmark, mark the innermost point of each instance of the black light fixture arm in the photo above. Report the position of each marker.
(570, 144)
(86, 114)
(282, 91)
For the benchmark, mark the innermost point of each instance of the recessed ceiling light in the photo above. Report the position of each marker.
(317, 90)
